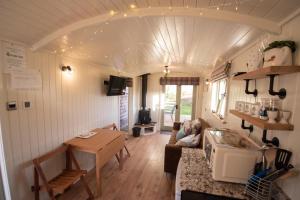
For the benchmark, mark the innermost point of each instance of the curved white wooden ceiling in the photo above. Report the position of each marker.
(142, 44)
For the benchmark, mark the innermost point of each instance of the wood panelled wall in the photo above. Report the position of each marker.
(64, 107)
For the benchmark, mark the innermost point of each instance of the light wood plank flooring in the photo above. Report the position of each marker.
(142, 176)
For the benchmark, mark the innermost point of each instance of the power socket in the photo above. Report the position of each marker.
(27, 104)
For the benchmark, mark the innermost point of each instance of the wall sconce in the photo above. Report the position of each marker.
(67, 69)
(207, 82)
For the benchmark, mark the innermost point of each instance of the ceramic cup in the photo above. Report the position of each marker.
(242, 106)
(247, 108)
(253, 109)
(237, 105)
(257, 108)
(285, 115)
(272, 114)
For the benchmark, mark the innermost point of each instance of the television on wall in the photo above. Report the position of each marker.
(116, 86)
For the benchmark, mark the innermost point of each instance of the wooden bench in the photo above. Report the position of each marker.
(62, 181)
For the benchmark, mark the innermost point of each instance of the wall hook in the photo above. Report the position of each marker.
(247, 89)
(250, 128)
(282, 92)
(274, 141)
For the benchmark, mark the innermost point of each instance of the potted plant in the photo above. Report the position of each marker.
(279, 53)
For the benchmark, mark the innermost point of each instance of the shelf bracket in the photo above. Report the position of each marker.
(282, 92)
(274, 141)
(254, 92)
(250, 128)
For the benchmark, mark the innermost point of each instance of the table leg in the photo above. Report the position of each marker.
(98, 175)
(121, 159)
(68, 160)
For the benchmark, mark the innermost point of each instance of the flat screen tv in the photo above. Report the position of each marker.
(116, 86)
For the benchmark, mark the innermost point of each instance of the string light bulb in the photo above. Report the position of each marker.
(112, 12)
(132, 6)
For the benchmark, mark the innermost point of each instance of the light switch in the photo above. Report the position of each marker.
(11, 105)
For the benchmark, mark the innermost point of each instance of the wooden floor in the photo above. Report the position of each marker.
(142, 176)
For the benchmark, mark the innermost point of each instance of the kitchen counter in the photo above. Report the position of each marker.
(195, 175)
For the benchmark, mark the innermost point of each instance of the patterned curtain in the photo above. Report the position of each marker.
(179, 80)
(221, 72)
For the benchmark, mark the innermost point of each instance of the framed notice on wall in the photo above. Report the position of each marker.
(25, 79)
(13, 57)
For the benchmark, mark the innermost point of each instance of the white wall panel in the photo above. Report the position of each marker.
(64, 107)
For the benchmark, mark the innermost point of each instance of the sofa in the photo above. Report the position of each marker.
(173, 152)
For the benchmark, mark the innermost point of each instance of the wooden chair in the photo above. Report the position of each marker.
(64, 180)
(113, 126)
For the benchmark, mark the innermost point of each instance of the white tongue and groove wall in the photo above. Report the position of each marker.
(288, 139)
(64, 107)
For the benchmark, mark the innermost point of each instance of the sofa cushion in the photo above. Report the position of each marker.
(196, 126)
(180, 134)
(189, 141)
(187, 125)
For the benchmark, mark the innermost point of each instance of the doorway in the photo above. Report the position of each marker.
(124, 107)
(4, 186)
(179, 104)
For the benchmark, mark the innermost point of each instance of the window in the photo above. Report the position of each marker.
(218, 97)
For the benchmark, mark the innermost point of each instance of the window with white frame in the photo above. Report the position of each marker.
(218, 97)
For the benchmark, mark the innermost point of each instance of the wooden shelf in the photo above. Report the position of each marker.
(263, 72)
(262, 123)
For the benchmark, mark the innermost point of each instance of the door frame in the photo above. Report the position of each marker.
(178, 101)
(3, 169)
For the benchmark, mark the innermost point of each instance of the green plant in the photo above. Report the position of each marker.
(279, 44)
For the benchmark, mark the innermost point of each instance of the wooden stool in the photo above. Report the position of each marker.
(62, 181)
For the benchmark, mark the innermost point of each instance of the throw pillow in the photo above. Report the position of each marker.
(187, 125)
(189, 141)
(196, 126)
(180, 134)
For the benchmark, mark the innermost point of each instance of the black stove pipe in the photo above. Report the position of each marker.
(144, 90)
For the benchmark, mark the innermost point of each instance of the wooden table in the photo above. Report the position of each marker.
(105, 144)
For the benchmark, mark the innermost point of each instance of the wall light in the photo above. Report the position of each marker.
(207, 82)
(67, 69)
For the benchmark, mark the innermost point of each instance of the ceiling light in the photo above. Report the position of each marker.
(170, 8)
(218, 8)
(125, 15)
(149, 6)
(132, 6)
(106, 22)
(201, 13)
(166, 71)
(236, 8)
